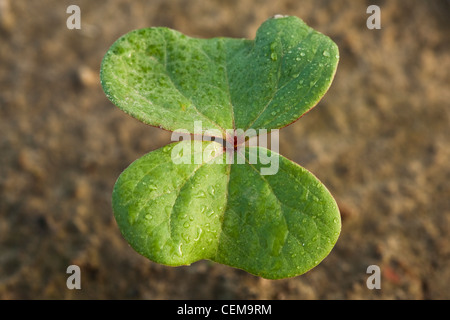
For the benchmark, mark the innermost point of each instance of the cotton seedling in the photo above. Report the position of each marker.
(221, 197)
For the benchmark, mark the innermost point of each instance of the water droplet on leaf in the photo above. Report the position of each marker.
(273, 56)
(199, 233)
(185, 237)
(201, 194)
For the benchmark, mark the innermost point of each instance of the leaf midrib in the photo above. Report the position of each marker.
(182, 186)
(170, 76)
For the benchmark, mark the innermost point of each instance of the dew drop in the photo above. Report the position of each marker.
(307, 194)
(148, 217)
(199, 233)
(302, 54)
(185, 237)
(273, 56)
(186, 224)
(326, 53)
(201, 194)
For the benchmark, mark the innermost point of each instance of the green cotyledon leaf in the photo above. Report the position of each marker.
(167, 79)
(186, 202)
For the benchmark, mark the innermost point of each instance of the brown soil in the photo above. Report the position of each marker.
(379, 140)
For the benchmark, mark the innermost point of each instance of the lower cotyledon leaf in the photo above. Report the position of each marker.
(274, 226)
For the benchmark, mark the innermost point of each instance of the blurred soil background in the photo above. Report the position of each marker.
(379, 140)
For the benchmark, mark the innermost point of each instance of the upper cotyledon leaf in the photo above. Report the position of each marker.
(167, 79)
(274, 226)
